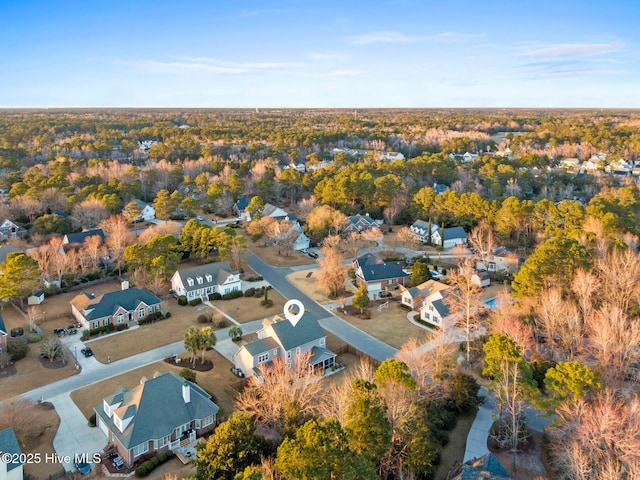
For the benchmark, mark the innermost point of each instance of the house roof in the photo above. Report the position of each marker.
(260, 346)
(80, 237)
(9, 444)
(157, 407)
(319, 354)
(486, 467)
(427, 288)
(242, 203)
(421, 224)
(107, 304)
(306, 330)
(270, 210)
(219, 271)
(374, 269)
(441, 307)
(361, 222)
(454, 232)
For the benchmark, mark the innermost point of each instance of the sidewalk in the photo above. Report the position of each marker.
(479, 433)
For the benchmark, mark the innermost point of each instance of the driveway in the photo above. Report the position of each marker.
(74, 436)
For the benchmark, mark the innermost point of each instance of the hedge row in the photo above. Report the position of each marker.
(154, 317)
(147, 467)
(106, 329)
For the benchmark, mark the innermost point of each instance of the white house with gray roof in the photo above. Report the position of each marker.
(115, 308)
(430, 299)
(155, 415)
(203, 280)
(452, 236)
(360, 223)
(10, 470)
(278, 338)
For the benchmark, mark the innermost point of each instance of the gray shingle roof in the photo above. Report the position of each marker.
(306, 330)
(373, 269)
(441, 308)
(219, 271)
(80, 237)
(486, 467)
(9, 444)
(107, 304)
(158, 408)
(261, 346)
(454, 232)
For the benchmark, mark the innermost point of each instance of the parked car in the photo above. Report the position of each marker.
(237, 372)
(17, 332)
(87, 352)
(313, 254)
(71, 329)
(83, 467)
(199, 218)
(59, 331)
(384, 294)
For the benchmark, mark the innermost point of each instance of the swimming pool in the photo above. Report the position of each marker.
(491, 302)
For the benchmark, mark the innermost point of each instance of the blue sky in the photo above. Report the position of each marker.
(324, 53)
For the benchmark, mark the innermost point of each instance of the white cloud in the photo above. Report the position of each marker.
(388, 36)
(567, 50)
(343, 73)
(184, 65)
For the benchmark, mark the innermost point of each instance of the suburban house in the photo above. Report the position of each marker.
(155, 416)
(420, 229)
(300, 240)
(378, 275)
(78, 238)
(201, 281)
(486, 467)
(9, 444)
(481, 278)
(114, 308)
(501, 260)
(278, 338)
(452, 236)
(36, 298)
(413, 297)
(360, 223)
(240, 206)
(9, 230)
(3, 337)
(147, 212)
(430, 299)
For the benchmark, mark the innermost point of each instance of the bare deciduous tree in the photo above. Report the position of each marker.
(483, 241)
(331, 273)
(89, 213)
(118, 237)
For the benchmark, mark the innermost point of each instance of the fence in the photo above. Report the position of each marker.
(354, 351)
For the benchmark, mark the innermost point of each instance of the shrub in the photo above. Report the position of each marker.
(462, 393)
(85, 335)
(202, 318)
(232, 295)
(250, 292)
(92, 420)
(155, 461)
(17, 349)
(167, 315)
(188, 375)
(351, 273)
(34, 338)
(195, 301)
(214, 296)
(148, 465)
(141, 471)
(255, 278)
(223, 323)
(182, 300)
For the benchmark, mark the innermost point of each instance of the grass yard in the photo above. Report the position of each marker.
(305, 280)
(389, 325)
(29, 372)
(270, 255)
(246, 309)
(218, 381)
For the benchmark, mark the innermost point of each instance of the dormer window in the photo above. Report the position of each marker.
(190, 281)
(199, 278)
(209, 278)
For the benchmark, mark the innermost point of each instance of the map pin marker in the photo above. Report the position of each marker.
(289, 315)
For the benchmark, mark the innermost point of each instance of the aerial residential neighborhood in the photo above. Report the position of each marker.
(304, 240)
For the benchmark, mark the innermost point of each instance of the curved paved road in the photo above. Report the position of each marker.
(360, 340)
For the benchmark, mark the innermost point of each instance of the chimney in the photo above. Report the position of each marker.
(186, 392)
(124, 285)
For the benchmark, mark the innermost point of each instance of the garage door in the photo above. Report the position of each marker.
(374, 287)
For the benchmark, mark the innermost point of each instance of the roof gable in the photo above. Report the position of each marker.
(80, 237)
(306, 330)
(109, 303)
(219, 272)
(9, 444)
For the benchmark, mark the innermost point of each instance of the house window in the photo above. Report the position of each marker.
(298, 350)
(105, 322)
(322, 342)
(117, 422)
(289, 355)
(198, 423)
(96, 324)
(157, 308)
(206, 421)
(120, 318)
(164, 441)
(190, 281)
(264, 357)
(140, 449)
(141, 313)
(199, 280)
